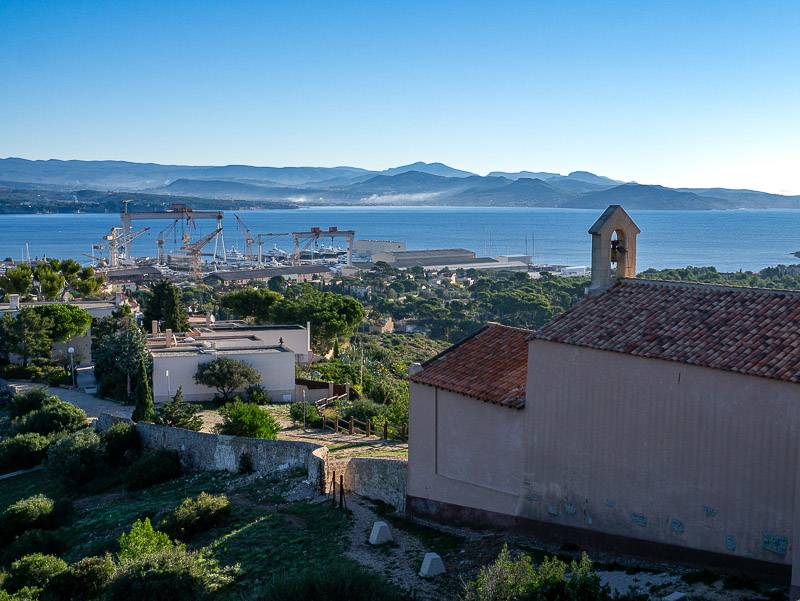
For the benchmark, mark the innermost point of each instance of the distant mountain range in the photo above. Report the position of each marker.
(415, 184)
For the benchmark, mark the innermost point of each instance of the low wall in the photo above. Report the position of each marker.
(204, 451)
(379, 479)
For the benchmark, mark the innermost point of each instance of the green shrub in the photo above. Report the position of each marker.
(122, 444)
(37, 511)
(26, 593)
(142, 540)
(51, 542)
(179, 413)
(330, 583)
(196, 515)
(22, 451)
(30, 401)
(247, 419)
(364, 409)
(256, 393)
(77, 458)
(33, 570)
(173, 574)
(58, 416)
(52, 375)
(508, 579)
(313, 419)
(153, 467)
(84, 580)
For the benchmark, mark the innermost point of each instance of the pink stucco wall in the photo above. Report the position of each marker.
(464, 451)
(661, 451)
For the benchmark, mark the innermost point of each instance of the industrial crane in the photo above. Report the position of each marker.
(160, 256)
(118, 243)
(316, 233)
(248, 238)
(261, 237)
(195, 247)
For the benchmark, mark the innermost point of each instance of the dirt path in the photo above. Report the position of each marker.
(399, 561)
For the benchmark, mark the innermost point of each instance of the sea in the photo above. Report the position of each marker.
(727, 240)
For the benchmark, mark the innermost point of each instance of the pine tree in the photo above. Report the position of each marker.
(143, 397)
(166, 307)
(179, 413)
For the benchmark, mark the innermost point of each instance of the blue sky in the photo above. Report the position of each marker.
(675, 93)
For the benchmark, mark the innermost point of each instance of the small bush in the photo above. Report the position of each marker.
(50, 542)
(313, 419)
(173, 574)
(142, 540)
(153, 467)
(58, 416)
(247, 419)
(22, 451)
(30, 401)
(37, 511)
(196, 515)
(331, 583)
(77, 458)
(34, 570)
(508, 579)
(122, 444)
(364, 409)
(52, 375)
(179, 413)
(255, 393)
(26, 593)
(84, 580)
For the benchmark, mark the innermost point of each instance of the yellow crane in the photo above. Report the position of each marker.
(194, 249)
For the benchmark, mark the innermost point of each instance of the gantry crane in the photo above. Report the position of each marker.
(316, 233)
(194, 249)
(176, 211)
(119, 244)
(161, 258)
(248, 238)
(261, 237)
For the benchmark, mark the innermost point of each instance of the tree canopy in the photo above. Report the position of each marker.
(17, 280)
(331, 315)
(165, 306)
(256, 303)
(226, 375)
(67, 320)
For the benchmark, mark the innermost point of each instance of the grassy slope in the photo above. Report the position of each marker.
(265, 534)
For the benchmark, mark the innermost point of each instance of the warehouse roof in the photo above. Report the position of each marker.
(491, 365)
(255, 274)
(751, 331)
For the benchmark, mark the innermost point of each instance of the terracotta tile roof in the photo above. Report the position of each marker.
(745, 330)
(491, 365)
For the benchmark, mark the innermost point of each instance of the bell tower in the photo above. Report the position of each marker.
(613, 248)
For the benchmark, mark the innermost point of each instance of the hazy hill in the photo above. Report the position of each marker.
(123, 175)
(432, 168)
(637, 196)
(51, 183)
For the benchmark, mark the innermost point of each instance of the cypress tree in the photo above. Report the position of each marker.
(144, 410)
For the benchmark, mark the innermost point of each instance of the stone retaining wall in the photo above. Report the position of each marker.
(204, 451)
(379, 479)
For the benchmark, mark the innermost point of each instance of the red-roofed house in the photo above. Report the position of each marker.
(658, 418)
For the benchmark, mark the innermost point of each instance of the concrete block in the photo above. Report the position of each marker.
(432, 565)
(381, 533)
(676, 596)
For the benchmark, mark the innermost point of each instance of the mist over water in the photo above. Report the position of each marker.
(729, 240)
